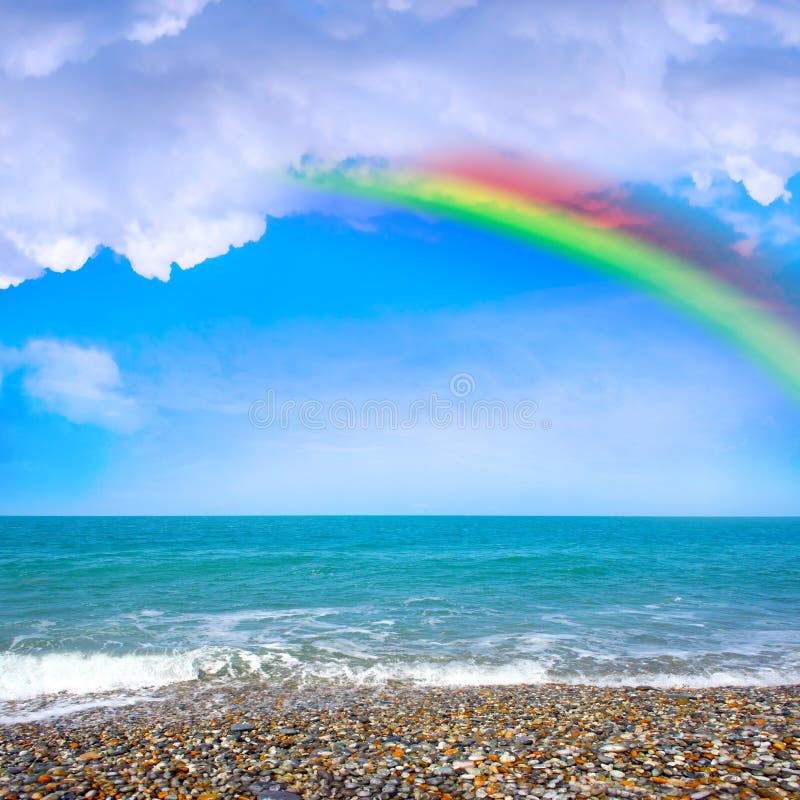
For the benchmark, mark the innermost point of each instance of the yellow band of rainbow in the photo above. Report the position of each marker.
(745, 322)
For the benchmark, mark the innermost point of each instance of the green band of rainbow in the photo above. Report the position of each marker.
(765, 337)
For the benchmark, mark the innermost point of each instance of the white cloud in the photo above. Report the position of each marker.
(43, 51)
(783, 16)
(58, 254)
(161, 128)
(764, 186)
(15, 266)
(426, 9)
(36, 39)
(788, 142)
(9, 361)
(779, 229)
(188, 241)
(691, 20)
(163, 18)
(82, 384)
(702, 180)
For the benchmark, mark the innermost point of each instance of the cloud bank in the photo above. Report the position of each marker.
(163, 128)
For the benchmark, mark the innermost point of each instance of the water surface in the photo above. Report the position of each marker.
(96, 604)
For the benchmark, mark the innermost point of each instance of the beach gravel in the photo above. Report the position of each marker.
(254, 740)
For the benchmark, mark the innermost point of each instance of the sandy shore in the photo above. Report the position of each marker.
(548, 741)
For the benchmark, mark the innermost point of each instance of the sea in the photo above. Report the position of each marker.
(105, 610)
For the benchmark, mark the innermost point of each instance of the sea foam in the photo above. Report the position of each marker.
(24, 676)
(76, 675)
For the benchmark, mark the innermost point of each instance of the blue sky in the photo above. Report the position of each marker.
(160, 275)
(649, 414)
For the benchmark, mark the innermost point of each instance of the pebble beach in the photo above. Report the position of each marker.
(253, 740)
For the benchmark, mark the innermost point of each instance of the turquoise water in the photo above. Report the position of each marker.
(122, 604)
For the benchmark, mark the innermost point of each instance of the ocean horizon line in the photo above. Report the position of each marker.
(406, 516)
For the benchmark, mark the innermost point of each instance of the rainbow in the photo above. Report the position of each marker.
(539, 213)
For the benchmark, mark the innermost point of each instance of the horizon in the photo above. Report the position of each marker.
(402, 516)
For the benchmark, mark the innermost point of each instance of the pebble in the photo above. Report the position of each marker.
(549, 742)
